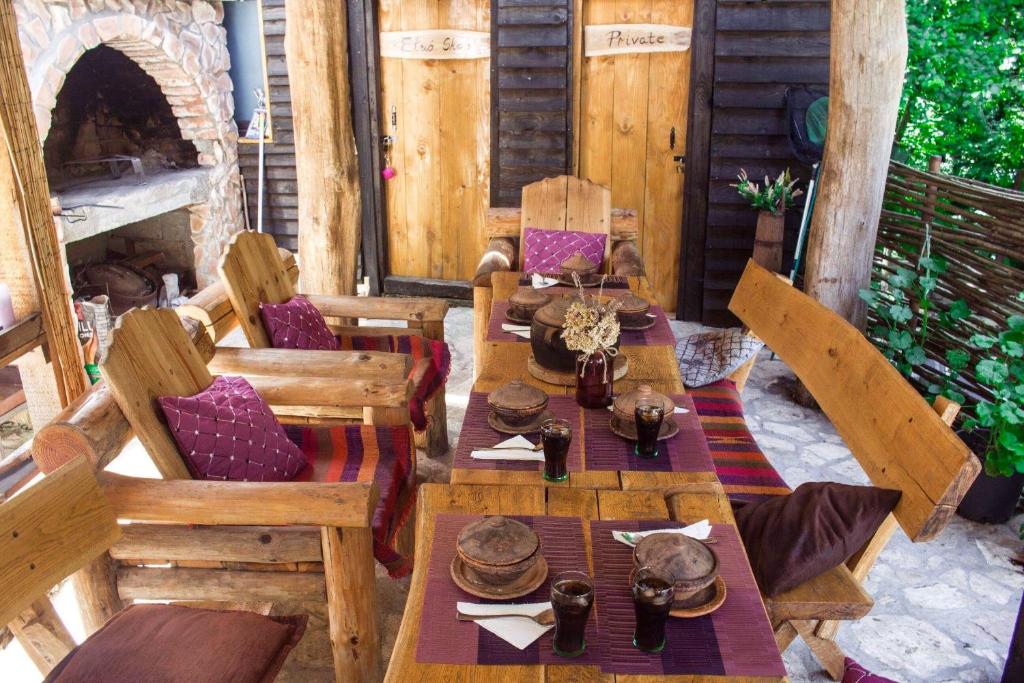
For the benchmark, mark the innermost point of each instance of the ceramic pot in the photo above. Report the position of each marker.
(692, 565)
(517, 403)
(526, 302)
(633, 311)
(549, 349)
(991, 500)
(497, 550)
(582, 266)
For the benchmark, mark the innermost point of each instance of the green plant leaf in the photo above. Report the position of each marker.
(900, 313)
(957, 359)
(1016, 322)
(992, 372)
(902, 278)
(982, 341)
(954, 395)
(959, 310)
(927, 284)
(868, 296)
(1013, 349)
(900, 339)
(915, 355)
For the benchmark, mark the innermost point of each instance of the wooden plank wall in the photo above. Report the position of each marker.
(760, 49)
(280, 208)
(531, 82)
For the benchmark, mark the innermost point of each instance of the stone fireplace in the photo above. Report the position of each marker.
(145, 82)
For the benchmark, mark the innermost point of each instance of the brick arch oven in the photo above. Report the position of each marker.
(182, 49)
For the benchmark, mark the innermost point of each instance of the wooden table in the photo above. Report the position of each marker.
(653, 365)
(688, 502)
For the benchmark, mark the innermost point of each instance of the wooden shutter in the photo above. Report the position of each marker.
(531, 95)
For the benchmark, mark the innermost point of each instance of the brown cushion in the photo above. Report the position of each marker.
(174, 644)
(791, 539)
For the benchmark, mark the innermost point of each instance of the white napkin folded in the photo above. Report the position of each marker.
(516, 448)
(514, 630)
(699, 530)
(540, 282)
(518, 330)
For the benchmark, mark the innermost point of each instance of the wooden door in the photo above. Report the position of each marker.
(437, 201)
(632, 124)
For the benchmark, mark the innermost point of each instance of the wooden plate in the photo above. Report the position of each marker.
(669, 428)
(508, 317)
(709, 599)
(524, 585)
(498, 424)
(568, 379)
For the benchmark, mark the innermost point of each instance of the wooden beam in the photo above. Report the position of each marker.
(380, 308)
(262, 544)
(868, 61)
(351, 602)
(145, 583)
(95, 586)
(295, 362)
(183, 501)
(93, 426)
(507, 222)
(21, 143)
(316, 47)
(320, 393)
(43, 635)
(500, 256)
(20, 338)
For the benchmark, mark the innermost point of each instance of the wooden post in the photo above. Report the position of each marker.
(351, 598)
(869, 57)
(43, 635)
(95, 587)
(316, 46)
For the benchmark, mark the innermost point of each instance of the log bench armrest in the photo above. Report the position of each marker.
(350, 365)
(334, 393)
(410, 309)
(243, 503)
(499, 256)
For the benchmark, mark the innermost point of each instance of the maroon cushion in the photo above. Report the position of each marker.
(172, 644)
(855, 673)
(545, 250)
(227, 431)
(794, 538)
(297, 324)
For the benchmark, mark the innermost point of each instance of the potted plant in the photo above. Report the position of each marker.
(592, 332)
(995, 429)
(772, 202)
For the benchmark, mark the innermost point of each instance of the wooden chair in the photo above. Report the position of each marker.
(152, 356)
(900, 441)
(64, 522)
(253, 273)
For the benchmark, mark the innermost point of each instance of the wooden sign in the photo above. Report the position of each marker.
(620, 39)
(435, 44)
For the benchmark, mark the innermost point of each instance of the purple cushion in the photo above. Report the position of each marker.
(227, 432)
(297, 324)
(855, 673)
(545, 250)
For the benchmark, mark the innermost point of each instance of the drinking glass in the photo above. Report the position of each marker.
(653, 594)
(649, 414)
(556, 435)
(572, 597)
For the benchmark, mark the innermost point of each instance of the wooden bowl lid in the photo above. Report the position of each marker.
(517, 395)
(529, 297)
(578, 263)
(625, 404)
(497, 540)
(692, 564)
(632, 304)
(553, 314)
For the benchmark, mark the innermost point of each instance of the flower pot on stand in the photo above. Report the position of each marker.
(771, 229)
(991, 500)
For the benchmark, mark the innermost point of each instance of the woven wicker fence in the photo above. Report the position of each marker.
(979, 229)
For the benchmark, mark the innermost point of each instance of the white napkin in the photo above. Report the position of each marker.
(516, 631)
(540, 282)
(699, 530)
(518, 448)
(518, 330)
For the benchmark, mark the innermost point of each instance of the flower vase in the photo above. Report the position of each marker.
(594, 378)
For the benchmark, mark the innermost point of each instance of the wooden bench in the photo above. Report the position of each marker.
(899, 440)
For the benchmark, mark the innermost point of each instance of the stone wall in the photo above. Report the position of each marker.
(183, 46)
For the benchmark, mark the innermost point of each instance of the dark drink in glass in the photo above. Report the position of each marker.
(572, 597)
(649, 414)
(556, 435)
(653, 594)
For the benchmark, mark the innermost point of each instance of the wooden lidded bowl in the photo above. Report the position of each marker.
(582, 266)
(633, 311)
(526, 302)
(517, 403)
(624, 407)
(497, 550)
(549, 349)
(692, 565)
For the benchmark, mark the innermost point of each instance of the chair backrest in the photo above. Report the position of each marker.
(253, 273)
(899, 440)
(150, 355)
(567, 203)
(49, 531)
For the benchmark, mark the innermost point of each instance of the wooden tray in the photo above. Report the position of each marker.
(568, 379)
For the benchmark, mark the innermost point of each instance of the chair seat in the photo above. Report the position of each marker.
(384, 455)
(428, 377)
(836, 594)
(170, 644)
(741, 466)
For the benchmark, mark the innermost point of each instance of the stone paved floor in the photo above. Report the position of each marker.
(944, 611)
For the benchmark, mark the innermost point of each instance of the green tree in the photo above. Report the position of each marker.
(964, 92)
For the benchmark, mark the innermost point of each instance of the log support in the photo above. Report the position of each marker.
(351, 597)
(43, 635)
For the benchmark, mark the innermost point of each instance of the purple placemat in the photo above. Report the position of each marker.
(659, 333)
(476, 433)
(444, 640)
(610, 282)
(687, 451)
(734, 640)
